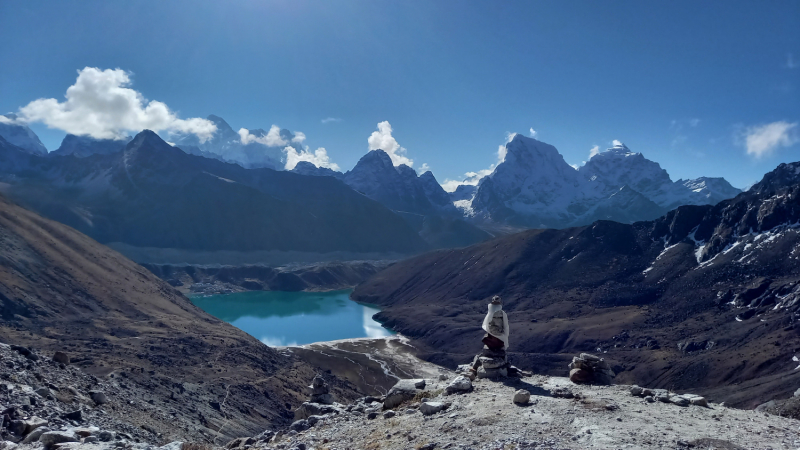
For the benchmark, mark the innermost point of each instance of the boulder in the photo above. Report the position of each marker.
(309, 409)
(61, 358)
(388, 414)
(636, 391)
(588, 368)
(324, 399)
(34, 435)
(105, 436)
(522, 397)
(678, 400)
(43, 392)
(402, 391)
(56, 437)
(430, 408)
(34, 423)
(460, 384)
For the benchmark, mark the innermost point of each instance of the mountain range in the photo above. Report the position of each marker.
(705, 296)
(535, 188)
(153, 195)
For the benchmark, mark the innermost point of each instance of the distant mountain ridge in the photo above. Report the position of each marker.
(536, 188)
(419, 199)
(21, 136)
(155, 195)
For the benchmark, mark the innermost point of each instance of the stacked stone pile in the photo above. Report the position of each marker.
(320, 392)
(590, 369)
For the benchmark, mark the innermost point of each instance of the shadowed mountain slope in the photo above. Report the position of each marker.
(61, 290)
(705, 297)
(153, 195)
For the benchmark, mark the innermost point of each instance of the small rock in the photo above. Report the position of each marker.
(699, 401)
(522, 397)
(313, 420)
(678, 400)
(61, 358)
(649, 399)
(84, 432)
(636, 391)
(430, 408)
(43, 392)
(402, 391)
(388, 414)
(90, 440)
(300, 425)
(105, 436)
(56, 437)
(372, 415)
(460, 384)
(17, 427)
(76, 415)
(98, 397)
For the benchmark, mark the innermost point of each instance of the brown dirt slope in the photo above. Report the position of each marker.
(61, 290)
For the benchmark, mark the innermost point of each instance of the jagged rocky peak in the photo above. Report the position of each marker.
(308, 168)
(619, 166)
(785, 175)
(83, 146)
(17, 133)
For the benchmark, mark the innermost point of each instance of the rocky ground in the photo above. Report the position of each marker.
(558, 415)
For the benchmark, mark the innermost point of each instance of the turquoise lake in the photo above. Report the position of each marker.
(294, 318)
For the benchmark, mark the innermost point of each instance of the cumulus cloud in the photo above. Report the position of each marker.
(594, 151)
(472, 178)
(423, 168)
(319, 158)
(102, 105)
(299, 137)
(383, 140)
(617, 143)
(4, 119)
(271, 139)
(331, 120)
(533, 132)
(762, 140)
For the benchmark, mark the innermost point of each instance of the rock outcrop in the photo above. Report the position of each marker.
(588, 368)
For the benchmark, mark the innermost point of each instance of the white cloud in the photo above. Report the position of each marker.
(594, 151)
(472, 178)
(7, 121)
(331, 120)
(299, 137)
(101, 105)
(574, 166)
(423, 168)
(762, 140)
(271, 139)
(383, 140)
(533, 132)
(510, 136)
(319, 158)
(790, 62)
(617, 143)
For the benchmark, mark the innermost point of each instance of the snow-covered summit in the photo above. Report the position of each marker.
(535, 187)
(19, 134)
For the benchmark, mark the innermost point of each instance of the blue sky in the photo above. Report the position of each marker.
(682, 82)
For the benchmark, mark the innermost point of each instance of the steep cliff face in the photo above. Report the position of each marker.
(705, 296)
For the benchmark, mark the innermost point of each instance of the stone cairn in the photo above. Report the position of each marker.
(491, 363)
(590, 369)
(320, 393)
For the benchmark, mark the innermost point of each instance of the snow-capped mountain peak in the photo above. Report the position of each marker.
(20, 135)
